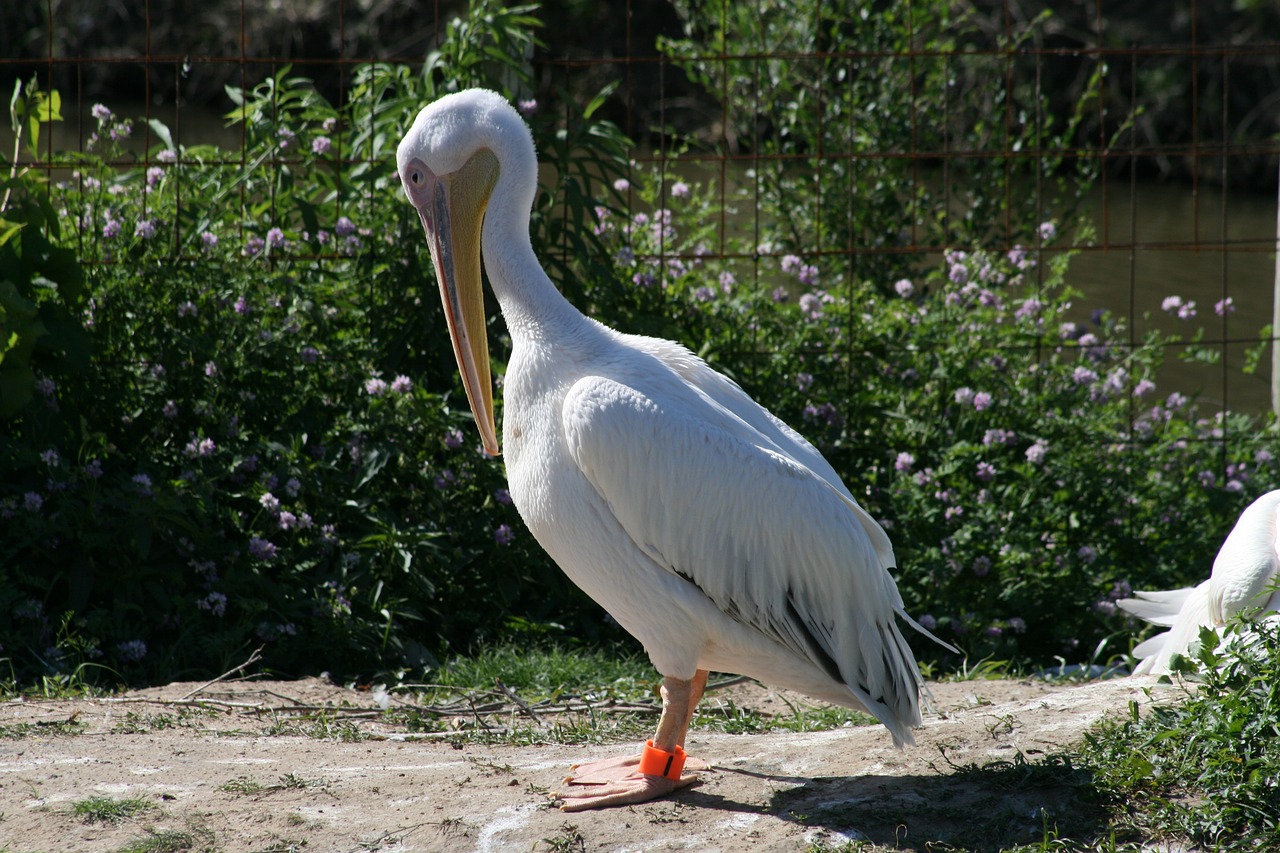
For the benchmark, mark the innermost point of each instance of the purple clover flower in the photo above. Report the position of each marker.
(130, 651)
(261, 549)
(1083, 376)
(214, 602)
(504, 535)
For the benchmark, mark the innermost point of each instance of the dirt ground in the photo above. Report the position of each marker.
(233, 769)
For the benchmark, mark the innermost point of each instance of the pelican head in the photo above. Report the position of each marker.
(461, 151)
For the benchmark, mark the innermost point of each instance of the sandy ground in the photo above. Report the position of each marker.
(240, 774)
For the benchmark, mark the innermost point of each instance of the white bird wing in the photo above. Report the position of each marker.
(769, 427)
(773, 545)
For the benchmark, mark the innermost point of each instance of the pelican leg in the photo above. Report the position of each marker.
(618, 781)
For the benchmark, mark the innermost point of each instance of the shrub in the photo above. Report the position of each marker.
(267, 446)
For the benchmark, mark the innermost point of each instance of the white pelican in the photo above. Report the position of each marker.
(1244, 576)
(711, 531)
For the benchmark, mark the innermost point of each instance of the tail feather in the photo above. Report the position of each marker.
(1156, 607)
(1184, 622)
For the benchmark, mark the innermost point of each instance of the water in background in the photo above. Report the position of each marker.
(1201, 246)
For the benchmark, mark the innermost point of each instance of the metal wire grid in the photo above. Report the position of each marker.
(1214, 160)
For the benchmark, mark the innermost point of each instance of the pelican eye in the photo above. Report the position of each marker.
(415, 177)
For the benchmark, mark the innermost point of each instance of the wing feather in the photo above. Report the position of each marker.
(767, 426)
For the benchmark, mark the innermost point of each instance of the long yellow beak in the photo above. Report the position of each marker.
(452, 209)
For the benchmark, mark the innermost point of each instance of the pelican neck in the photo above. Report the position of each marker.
(530, 303)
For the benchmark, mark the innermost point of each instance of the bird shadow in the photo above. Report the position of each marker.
(988, 807)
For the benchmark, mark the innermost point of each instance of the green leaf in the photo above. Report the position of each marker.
(162, 131)
(9, 229)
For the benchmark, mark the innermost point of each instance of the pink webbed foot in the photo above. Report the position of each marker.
(619, 781)
(629, 790)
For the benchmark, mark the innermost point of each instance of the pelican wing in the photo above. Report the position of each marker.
(773, 545)
(767, 426)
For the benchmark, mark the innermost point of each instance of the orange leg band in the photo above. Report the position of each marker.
(656, 762)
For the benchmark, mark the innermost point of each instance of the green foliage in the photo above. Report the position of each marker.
(542, 670)
(1204, 768)
(265, 448)
(885, 131)
(41, 283)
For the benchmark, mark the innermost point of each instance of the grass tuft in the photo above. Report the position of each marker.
(109, 809)
(1204, 768)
